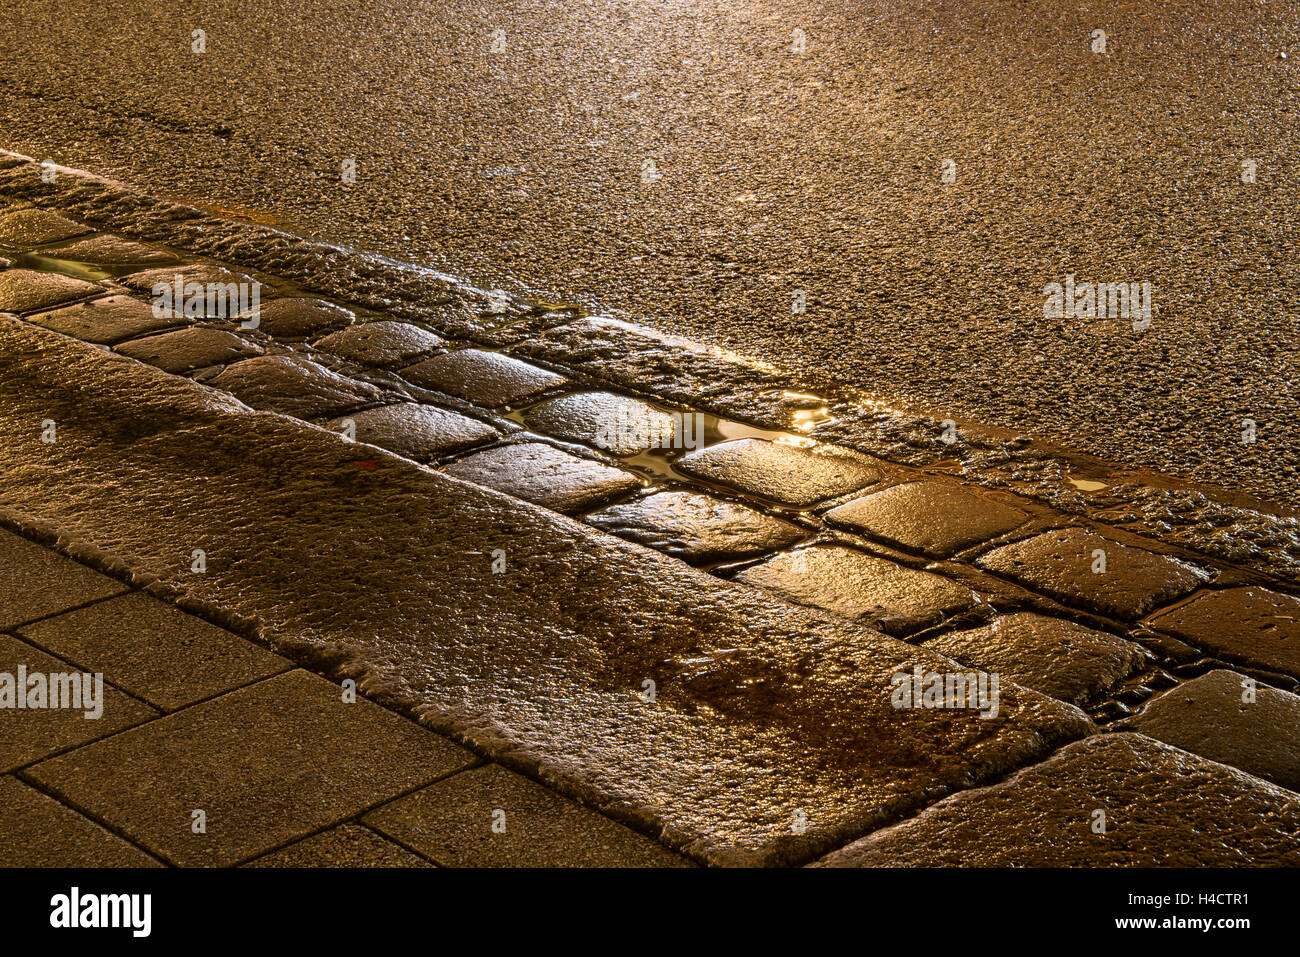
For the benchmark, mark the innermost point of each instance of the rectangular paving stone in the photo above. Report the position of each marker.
(1163, 808)
(268, 763)
(1060, 563)
(1252, 625)
(782, 473)
(1208, 716)
(545, 476)
(155, 651)
(38, 831)
(348, 845)
(190, 348)
(937, 519)
(889, 596)
(29, 735)
(35, 581)
(452, 823)
(488, 379)
(105, 321)
(294, 386)
(26, 290)
(382, 342)
(35, 227)
(417, 431)
(697, 528)
(1051, 655)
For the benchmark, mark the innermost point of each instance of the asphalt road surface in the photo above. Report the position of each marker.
(697, 165)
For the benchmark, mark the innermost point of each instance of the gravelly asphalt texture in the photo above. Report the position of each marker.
(778, 171)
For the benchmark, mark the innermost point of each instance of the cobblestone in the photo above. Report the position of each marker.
(934, 518)
(382, 343)
(1252, 625)
(295, 386)
(185, 350)
(781, 473)
(545, 476)
(418, 432)
(35, 227)
(489, 379)
(1062, 564)
(23, 290)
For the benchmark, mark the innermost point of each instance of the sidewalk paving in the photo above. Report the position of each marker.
(795, 577)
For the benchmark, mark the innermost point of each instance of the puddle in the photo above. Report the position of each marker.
(90, 272)
(1086, 485)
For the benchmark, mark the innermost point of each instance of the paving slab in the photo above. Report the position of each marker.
(294, 386)
(348, 845)
(771, 739)
(417, 431)
(613, 423)
(382, 342)
(545, 476)
(38, 831)
(492, 817)
(1252, 625)
(300, 318)
(1057, 657)
(107, 320)
(896, 599)
(1061, 564)
(937, 519)
(35, 227)
(782, 473)
(1216, 717)
(268, 763)
(489, 379)
(106, 250)
(1163, 808)
(29, 735)
(154, 650)
(190, 348)
(26, 290)
(697, 528)
(35, 582)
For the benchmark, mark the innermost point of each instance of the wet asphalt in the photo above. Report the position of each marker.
(774, 172)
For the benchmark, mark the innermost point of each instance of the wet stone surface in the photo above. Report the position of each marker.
(105, 321)
(382, 342)
(744, 729)
(299, 318)
(545, 476)
(194, 347)
(23, 290)
(697, 528)
(851, 583)
(1060, 563)
(109, 250)
(614, 423)
(489, 379)
(781, 473)
(36, 227)
(417, 431)
(295, 386)
(451, 823)
(1209, 717)
(1253, 625)
(35, 582)
(1164, 808)
(1051, 655)
(934, 518)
